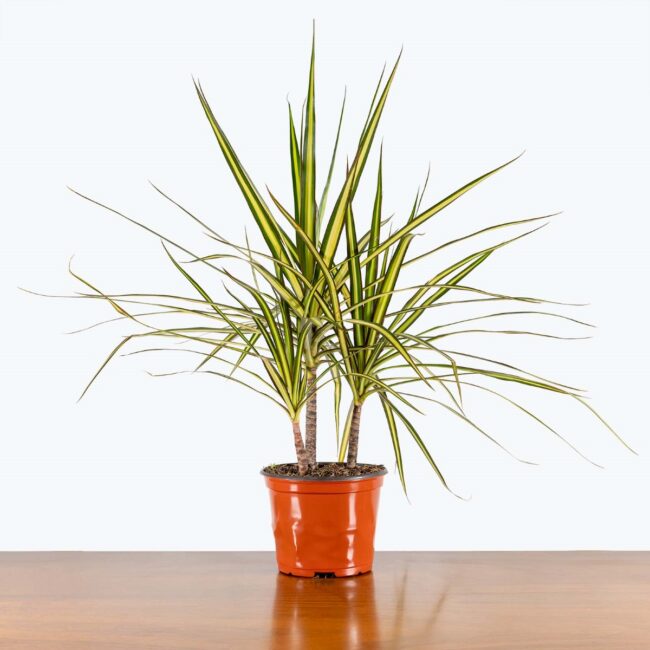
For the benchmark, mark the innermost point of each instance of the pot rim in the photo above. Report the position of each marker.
(326, 479)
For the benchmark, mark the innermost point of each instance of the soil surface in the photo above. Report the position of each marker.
(324, 470)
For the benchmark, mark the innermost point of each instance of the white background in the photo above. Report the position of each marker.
(98, 96)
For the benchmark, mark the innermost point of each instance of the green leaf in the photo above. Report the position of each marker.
(336, 380)
(434, 209)
(346, 434)
(395, 343)
(114, 351)
(471, 264)
(375, 229)
(603, 421)
(269, 329)
(394, 438)
(423, 448)
(336, 221)
(356, 289)
(337, 320)
(307, 219)
(323, 200)
(260, 211)
(296, 167)
(534, 417)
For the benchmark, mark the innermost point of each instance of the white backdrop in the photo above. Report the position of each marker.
(98, 96)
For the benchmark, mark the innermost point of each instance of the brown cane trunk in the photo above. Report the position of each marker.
(311, 417)
(301, 452)
(353, 441)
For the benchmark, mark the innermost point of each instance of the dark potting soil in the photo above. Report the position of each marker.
(324, 470)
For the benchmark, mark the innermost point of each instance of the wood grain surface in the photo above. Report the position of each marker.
(459, 601)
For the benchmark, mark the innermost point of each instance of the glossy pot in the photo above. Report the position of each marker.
(324, 526)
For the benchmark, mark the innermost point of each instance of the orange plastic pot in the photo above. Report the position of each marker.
(324, 526)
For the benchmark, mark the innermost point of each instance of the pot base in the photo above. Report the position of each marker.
(337, 573)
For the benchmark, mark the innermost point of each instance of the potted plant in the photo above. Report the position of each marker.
(324, 305)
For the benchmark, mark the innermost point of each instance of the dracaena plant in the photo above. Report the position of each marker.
(325, 304)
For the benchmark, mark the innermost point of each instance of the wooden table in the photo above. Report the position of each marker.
(460, 601)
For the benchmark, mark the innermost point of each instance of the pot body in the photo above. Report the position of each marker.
(325, 525)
